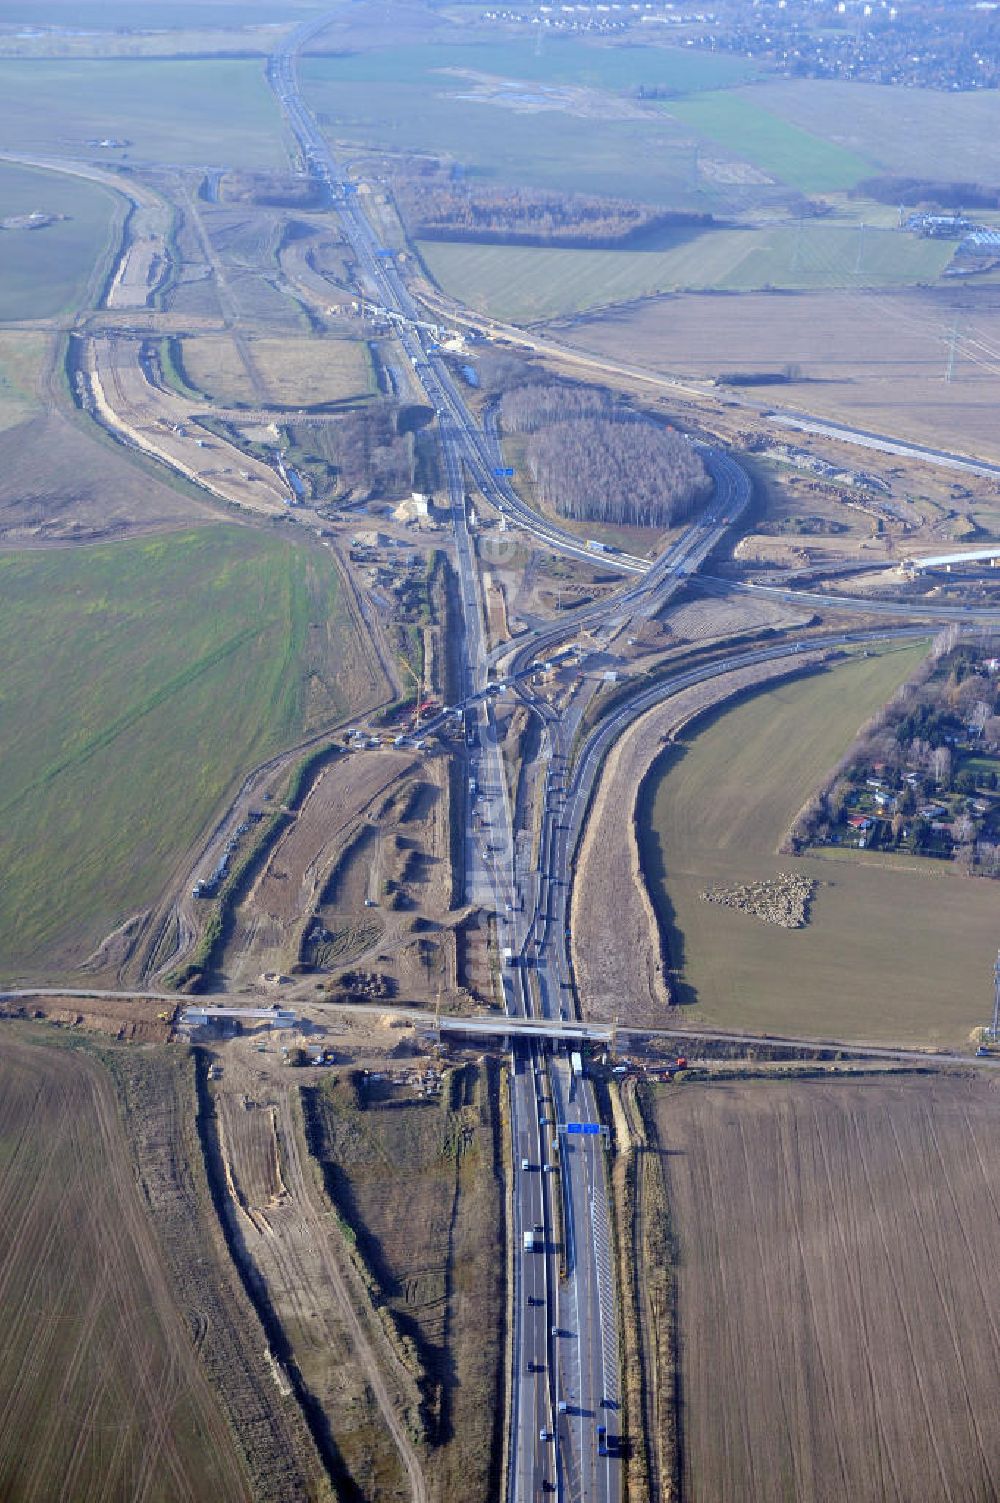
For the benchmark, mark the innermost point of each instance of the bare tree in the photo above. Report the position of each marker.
(979, 715)
(946, 641)
(964, 830)
(595, 460)
(941, 766)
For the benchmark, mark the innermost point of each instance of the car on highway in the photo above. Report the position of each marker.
(525, 1164)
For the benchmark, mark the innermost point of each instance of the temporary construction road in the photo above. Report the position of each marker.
(566, 1382)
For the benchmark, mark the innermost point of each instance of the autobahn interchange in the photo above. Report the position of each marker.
(566, 1397)
(547, 1452)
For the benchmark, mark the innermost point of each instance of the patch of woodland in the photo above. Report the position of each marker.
(595, 459)
(436, 206)
(928, 193)
(376, 448)
(270, 190)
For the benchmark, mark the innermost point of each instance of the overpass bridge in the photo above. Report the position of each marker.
(948, 561)
(509, 1028)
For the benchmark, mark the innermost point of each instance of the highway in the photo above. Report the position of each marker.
(565, 1427)
(550, 1451)
(487, 1027)
(566, 1397)
(857, 605)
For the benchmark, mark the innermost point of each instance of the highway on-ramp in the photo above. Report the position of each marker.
(565, 1420)
(542, 1457)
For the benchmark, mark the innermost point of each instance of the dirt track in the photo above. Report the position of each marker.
(289, 884)
(270, 919)
(285, 1226)
(617, 951)
(163, 424)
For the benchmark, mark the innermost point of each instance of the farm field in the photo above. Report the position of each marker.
(527, 283)
(57, 267)
(104, 1396)
(22, 357)
(216, 110)
(439, 1268)
(845, 1232)
(872, 359)
(296, 372)
(562, 60)
(60, 483)
(715, 812)
(117, 15)
(925, 133)
(170, 667)
(792, 155)
(637, 152)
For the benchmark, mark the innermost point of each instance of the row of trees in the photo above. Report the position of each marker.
(597, 462)
(442, 209)
(533, 405)
(914, 192)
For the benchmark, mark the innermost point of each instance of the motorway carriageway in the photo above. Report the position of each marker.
(549, 1449)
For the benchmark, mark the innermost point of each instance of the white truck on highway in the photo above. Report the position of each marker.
(529, 1241)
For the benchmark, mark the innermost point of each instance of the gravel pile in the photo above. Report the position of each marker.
(783, 899)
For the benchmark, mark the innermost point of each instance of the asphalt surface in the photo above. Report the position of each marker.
(856, 605)
(545, 1456)
(564, 1434)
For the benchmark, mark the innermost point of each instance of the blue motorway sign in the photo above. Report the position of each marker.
(590, 1128)
(508, 471)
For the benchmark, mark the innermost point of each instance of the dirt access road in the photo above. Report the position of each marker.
(294, 1244)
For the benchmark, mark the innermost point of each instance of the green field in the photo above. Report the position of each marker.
(791, 155)
(50, 270)
(114, 15)
(561, 60)
(212, 111)
(22, 356)
(898, 949)
(140, 680)
(524, 283)
(915, 132)
(398, 103)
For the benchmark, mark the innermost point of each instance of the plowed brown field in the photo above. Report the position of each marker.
(101, 1394)
(836, 1249)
